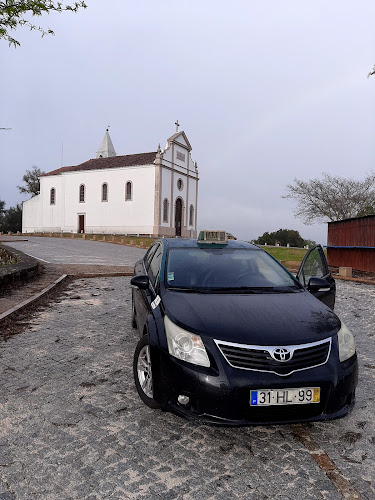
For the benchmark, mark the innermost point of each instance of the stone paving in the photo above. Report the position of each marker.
(73, 427)
(73, 257)
(75, 251)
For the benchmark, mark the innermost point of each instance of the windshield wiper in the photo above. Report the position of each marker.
(236, 289)
(255, 289)
(189, 289)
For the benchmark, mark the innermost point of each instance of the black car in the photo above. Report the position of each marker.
(229, 336)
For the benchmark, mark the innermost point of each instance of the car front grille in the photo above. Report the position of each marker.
(262, 358)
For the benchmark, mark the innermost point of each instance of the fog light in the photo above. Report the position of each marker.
(183, 400)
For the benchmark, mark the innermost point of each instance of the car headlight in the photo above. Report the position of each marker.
(184, 345)
(346, 343)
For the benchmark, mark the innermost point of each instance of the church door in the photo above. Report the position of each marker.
(81, 223)
(178, 216)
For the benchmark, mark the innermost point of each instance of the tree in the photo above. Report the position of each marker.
(265, 239)
(2, 212)
(332, 198)
(12, 220)
(13, 14)
(31, 178)
(283, 237)
(309, 243)
(369, 210)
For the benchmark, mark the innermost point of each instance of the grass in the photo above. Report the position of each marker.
(286, 254)
(7, 258)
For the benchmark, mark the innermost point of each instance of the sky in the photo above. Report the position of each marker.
(265, 90)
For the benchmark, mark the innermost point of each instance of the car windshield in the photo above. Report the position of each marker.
(199, 269)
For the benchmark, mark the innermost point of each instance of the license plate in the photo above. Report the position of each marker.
(271, 397)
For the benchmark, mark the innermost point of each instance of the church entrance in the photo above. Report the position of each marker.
(81, 223)
(178, 216)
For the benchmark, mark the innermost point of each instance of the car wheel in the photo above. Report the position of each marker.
(143, 372)
(134, 321)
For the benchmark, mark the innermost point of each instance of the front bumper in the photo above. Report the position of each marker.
(221, 394)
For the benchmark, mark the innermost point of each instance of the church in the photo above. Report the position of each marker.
(140, 194)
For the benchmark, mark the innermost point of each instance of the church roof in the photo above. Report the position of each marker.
(110, 162)
(180, 135)
(106, 148)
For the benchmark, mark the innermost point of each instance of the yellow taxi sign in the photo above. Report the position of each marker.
(208, 236)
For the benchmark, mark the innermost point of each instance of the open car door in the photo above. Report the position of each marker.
(315, 276)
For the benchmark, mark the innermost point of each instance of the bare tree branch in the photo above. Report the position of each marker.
(332, 198)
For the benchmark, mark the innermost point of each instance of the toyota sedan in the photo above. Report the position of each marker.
(229, 336)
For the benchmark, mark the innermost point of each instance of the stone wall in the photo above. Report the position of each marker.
(25, 269)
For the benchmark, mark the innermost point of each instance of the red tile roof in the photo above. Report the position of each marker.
(111, 162)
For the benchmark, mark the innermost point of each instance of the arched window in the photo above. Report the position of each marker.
(191, 216)
(165, 210)
(105, 192)
(52, 196)
(128, 191)
(82, 193)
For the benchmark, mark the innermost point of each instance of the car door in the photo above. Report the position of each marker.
(140, 296)
(143, 298)
(314, 265)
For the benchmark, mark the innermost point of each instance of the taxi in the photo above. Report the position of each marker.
(229, 336)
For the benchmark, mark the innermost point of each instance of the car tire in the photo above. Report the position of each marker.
(134, 321)
(143, 373)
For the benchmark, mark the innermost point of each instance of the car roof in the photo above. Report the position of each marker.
(193, 243)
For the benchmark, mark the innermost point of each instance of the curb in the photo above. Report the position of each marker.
(26, 269)
(365, 281)
(26, 302)
(101, 275)
(62, 278)
(12, 241)
(358, 280)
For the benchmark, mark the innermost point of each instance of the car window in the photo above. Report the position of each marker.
(225, 268)
(149, 255)
(314, 266)
(154, 268)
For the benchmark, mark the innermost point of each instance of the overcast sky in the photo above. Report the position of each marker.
(265, 90)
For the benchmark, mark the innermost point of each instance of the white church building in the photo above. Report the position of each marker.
(147, 194)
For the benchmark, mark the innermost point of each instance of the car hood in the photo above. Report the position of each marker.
(258, 319)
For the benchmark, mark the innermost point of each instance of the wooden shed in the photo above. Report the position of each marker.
(351, 243)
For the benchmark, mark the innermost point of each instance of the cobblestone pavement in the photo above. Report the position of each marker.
(74, 257)
(73, 427)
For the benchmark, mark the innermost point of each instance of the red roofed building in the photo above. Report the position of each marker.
(147, 193)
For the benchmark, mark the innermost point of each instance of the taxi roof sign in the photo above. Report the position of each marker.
(208, 236)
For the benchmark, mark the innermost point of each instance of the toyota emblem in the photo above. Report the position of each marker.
(281, 354)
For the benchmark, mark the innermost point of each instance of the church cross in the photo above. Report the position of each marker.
(177, 125)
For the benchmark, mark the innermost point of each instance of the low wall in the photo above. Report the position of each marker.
(27, 268)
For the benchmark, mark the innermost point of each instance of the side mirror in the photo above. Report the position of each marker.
(142, 282)
(318, 285)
